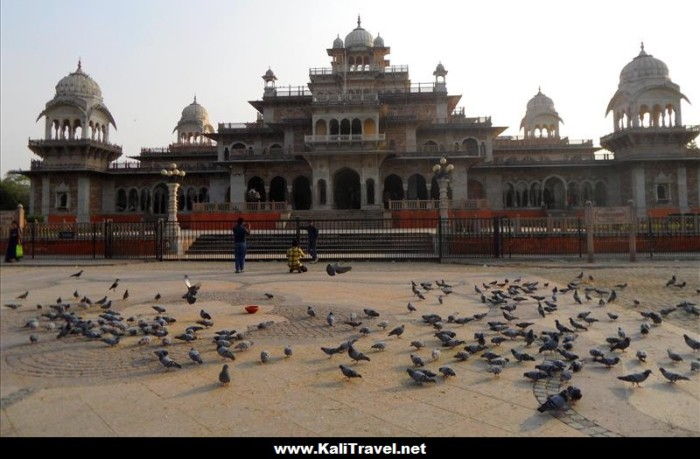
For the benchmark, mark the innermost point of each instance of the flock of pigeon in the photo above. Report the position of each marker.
(503, 298)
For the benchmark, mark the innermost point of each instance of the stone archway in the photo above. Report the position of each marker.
(278, 189)
(347, 189)
(301, 193)
(554, 194)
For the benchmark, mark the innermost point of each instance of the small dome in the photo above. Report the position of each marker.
(540, 104)
(440, 70)
(195, 114)
(359, 37)
(379, 42)
(338, 42)
(644, 66)
(78, 83)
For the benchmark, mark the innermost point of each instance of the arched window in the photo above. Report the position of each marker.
(587, 194)
(320, 127)
(256, 190)
(120, 205)
(471, 146)
(145, 202)
(522, 195)
(417, 188)
(535, 195)
(356, 128)
(370, 127)
(278, 189)
(601, 195)
(475, 189)
(345, 127)
(334, 127)
(160, 199)
(430, 146)
(190, 198)
(509, 196)
(393, 189)
(226, 154)
(133, 200)
(203, 194)
(573, 196)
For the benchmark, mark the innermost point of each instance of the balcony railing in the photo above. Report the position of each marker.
(431, 204)
(62, 142)
(261, 206)
(358, 68)
(520, 140)
(460, 119)
(362, 98)
(343, 138)
(288, 91)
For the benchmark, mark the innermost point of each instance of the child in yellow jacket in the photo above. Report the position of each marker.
(294, 256)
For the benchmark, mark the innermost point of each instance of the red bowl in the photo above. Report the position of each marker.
(252, 309)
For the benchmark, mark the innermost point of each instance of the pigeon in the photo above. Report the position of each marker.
(370, 312)
(417, 361)
(462, 356)
(288, 351)
(159, 309)
(330, 351)
(334, 269)
(204, 315)
(225, 352)
(576, 366)
(536, 375)
(635, 378)
(157, 297)
(126, 294)
(383, 324)
(349, 372)
(495, 369)
(695, 365)
(356, 355)
(644, 328)
(76, 275)
(557, 402)
(111, 341)
(310, 311)
(609, 361)
(145, 341)
(380, 346)
(577, 325)
(693, 344)
(264, 357)
(269, 296)
(612, 316)
(195, 356)
(419, 377)
(13, 306)
(417, 344)
(168, 362)
(672, 377)
(562, 328)
(435, 354)
(673, 356)
(33, 339)
(522, 356)
(621, 345)
(447, 371)
(76, 295)
(330, 319)
(224, 376)
(23, 296)
(410, 307)
(115, 284)
(398, 331)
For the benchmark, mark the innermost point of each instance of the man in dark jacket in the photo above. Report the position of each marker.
(313, 237)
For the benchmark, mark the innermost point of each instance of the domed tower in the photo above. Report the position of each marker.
(440, 73)
(649, 139)
(74, 149)
(193, 123)
(541, 118)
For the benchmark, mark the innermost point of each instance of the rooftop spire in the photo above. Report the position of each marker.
(80, 66)
(195, 98)
(358, 21)
(641, 50)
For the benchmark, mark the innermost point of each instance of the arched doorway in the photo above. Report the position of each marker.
(346, 189)
(475, 190)
(257, 184)
(301, 193)
(601, 195)
(393, 189)
(369, 191)
(554, 194)
(278, 189)
(417, 188)
(160, 199)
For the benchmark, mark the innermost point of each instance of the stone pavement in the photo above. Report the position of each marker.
(72, 387)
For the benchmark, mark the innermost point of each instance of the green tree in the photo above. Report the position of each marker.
(14, 189)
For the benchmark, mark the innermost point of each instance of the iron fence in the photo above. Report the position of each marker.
(365, 239)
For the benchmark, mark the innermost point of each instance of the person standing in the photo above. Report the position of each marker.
(240, 231)
(313, 237)
(14, 240)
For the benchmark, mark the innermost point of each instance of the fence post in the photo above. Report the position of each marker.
(650, 230)
(94, 240)
(440, 238)
(588, 218)
(633, 231)
(578, 227)
(33, 236)
(496, 237)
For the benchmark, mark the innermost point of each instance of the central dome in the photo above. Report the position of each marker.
(540, 103)
(642, 67)
(78, 83)
(194, 112)
(359, 37)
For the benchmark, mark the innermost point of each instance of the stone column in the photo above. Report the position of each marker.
(682, 188)
(83, 207)
(443, 184)
(172, 229)
(172, 201)
(45, 196)
(459, 183)
(237, 184)
(639, 189)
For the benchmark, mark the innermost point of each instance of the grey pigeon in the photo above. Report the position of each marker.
(349, 372)
(111, 341)
(447, 371)
(462, 355)
(609, 361)
(168, 362)
(330, 351)
(334, 269)
(76, 275)
(642, 356)
(557, 402)
(383, 324)
(356, 355)
(264, 357)
(673, 356)
(693, 344)
(522, 356)
(379, 346)
(33, 339)
(269, 296)
(114, 285)
(195, 356)
(536, 375)
(224, 376)
(695, 365)
(612, 316)
(159, 309)
(225, 353)
(417, 344)
(370, 312)
(410, 307)
(419, 377)
(635, 378)
(310, 311)
(417, 361)
(204, 314)
(672, 377)
(495, 369)
(398, 331)
(288, 351)
(330, 319)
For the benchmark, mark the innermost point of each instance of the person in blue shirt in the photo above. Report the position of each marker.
(313, 238)
(240, 231)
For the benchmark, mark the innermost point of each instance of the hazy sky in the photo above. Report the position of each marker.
(151, 56)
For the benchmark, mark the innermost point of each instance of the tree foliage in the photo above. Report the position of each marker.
(14, 190)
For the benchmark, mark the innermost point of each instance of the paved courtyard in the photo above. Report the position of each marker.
(76, 387)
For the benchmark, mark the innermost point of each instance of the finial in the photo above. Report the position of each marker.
(539, 89)
(358, 21)
(642, 46)
(80, 66)
(195, 98)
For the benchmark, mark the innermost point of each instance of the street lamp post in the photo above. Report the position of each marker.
(442, 173)
(173, 176)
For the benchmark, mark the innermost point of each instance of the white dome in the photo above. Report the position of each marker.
(195, 114)
(644, 66)
(338, 42)
(359, 37)
(78, 84)
(540, 104)
(379, 42)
